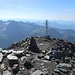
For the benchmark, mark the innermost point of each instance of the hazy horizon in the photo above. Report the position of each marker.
(38, 9)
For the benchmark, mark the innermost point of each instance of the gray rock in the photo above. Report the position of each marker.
(15, 68)
(41, 56)
(6, 72)
(1, 57)
(63, 70)
(23, 58)
(57, 71)
(28, 55)
(47, 57)
(12, 60)
(2, 66)
(28, 65)
(67, 59)
(12, 57)
(7, 51)
(45, 71)
(37, 72)
(18, 53)
(67, 65)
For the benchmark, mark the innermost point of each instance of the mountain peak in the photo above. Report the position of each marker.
(39, 55)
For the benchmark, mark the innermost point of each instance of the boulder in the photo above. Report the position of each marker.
(28, 65)
(12, 59)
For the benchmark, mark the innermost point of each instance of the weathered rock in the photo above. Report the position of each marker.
(23, 58)
(57, 71)
(67, 65)
(12, 60)
(37, 72)
(15, 68)
(18, 53)
(45, 71)
(67, 60)
(43, 51)
(28, 55)
(58, 55)
(1, 57)
(47, 57)
(64, 71)
(28, 65)
(6, 72)
(2, 66)
(6, 51)
(57, 61)
(41, 56)
(12, 57)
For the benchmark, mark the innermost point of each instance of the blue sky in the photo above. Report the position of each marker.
(38, 9)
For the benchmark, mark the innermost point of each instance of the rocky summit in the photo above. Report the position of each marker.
(38, 56)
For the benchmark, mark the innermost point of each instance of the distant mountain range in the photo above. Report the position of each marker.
(12, 31)
(60, 24)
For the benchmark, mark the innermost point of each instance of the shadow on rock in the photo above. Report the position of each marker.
(33, 46)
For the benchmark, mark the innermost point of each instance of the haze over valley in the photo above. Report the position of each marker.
(13, 31)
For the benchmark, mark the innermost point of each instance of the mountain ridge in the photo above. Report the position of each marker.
(12, 31)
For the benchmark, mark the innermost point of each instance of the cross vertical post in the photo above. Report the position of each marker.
(46, 27)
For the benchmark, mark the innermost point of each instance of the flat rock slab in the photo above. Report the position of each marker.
(12, 57)
(6, 51)
(17, 52)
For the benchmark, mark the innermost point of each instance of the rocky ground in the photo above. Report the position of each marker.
(38, 56)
